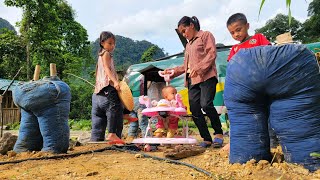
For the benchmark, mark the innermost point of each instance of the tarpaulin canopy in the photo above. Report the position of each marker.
(136, 75)
(314, 47)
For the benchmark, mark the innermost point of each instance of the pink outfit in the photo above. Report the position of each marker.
(102, 80)
(172, 123)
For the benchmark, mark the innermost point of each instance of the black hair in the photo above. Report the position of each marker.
(186, 21)
(104, 36)
(237, 17)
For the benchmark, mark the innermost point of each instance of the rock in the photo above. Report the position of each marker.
(7, 142)
(73, 143)
(92, 173)
(11, 154)
(276, 165)
(84, 137)
(252, 161)
(138, 156)
(263, 162)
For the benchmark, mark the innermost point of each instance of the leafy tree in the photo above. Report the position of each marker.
(52, 35)
(311, 27)
(12, 55)
(148, 54)
(81, 100)
(279, 25)
(288, 4)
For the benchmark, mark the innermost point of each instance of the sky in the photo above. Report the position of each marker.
(156, 20)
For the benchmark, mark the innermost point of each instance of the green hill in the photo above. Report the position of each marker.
(5, 24)
(127, 51)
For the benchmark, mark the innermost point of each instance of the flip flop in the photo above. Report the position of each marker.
(217, 143)
(205, 145)
(130, 119)
(116, 141)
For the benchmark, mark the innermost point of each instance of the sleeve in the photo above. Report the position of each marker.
(209, 46)
(179, 69)
(231, 53)
(263, 40)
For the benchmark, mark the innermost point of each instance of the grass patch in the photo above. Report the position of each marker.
(191, 124)
(81, 124)
(13, 126)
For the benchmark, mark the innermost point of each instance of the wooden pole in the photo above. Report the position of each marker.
(1, 116)
(53, 69)
(36, 73)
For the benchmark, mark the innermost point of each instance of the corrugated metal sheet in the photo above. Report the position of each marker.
(4, 83)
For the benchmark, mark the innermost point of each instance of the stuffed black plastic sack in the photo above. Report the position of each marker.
(279, 83)
(45, 106)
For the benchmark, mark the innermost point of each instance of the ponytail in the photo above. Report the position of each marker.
(196, 23)
(186, 21)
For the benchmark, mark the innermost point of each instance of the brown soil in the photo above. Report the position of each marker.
(113, 165)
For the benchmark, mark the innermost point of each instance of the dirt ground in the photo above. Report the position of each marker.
(116, 165)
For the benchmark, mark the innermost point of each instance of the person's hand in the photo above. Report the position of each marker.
(116, 85)
(193, 73)
(167, 71)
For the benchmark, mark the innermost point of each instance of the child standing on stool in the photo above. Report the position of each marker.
(107, 109)
(169, 124)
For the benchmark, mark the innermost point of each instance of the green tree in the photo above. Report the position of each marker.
(12, 55)
(311, 27)
(81, 100)
(52, 35)
(279, 25)
(148, 54)
(288, 4)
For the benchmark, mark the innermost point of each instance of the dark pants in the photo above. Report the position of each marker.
(107, 112)
(201, 96)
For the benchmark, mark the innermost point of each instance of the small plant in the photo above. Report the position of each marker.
(314, 154)
(14, 126)
(191, 124)
(81, 124)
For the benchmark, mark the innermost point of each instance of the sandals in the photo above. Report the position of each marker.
(129, 119)
(217, 143)
(205, 144)
(116, 141)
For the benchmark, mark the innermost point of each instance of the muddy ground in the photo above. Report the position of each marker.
(118, 165)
